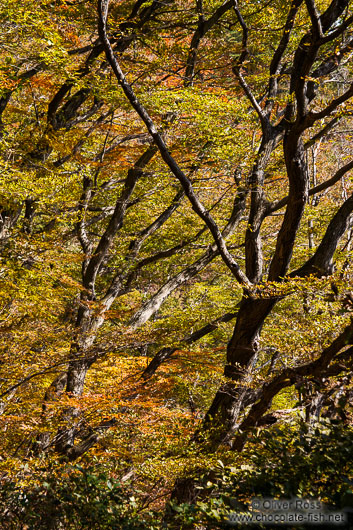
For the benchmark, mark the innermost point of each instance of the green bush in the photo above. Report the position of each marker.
(280, 462)
(70, 498)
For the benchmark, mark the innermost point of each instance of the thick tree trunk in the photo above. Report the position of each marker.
(81, 360)
(221, 418)
(242, 350)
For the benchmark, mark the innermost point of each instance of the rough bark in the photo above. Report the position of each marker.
(165, 353)
(198, 207)
(221, 419)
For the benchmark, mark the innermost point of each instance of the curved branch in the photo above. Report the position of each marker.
(313, 117)
(321, 262)
(313, 191)
(166, 353)
(197, 206)
(203, 27)
(327, 128)
(152, 306)
(288, 377)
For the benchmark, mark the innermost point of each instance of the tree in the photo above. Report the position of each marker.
(71, 105)
(317, 53)
(215, 144)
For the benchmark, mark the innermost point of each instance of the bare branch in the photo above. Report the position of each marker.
(251, 97)
(47, 370)
(288, 377)
(155, 225)
(335, 103)
(315, 18)
(321, 262)
(317, 189)
(333, 13)
(197, 206)
(116, 220)
(237, 68)
(322, 133)
(150, 307)
(166, 353)
(282, 46)
(203, 27)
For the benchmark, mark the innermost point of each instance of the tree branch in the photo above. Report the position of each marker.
(281, 48)
(152, 305)
(313, 117)
(203, 27)
(315, 18)
(197, 206)
(166, 353)
(287, 378)
(316, 189)
(321, 262)
(327, 128)
(116, 220)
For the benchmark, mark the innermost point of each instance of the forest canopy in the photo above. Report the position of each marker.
(175, 243)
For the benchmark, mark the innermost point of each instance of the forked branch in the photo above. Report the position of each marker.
(197, 206)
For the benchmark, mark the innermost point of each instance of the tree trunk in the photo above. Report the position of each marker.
(242, 351)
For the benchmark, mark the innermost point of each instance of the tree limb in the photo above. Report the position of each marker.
(197, 206)
(166, 353)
